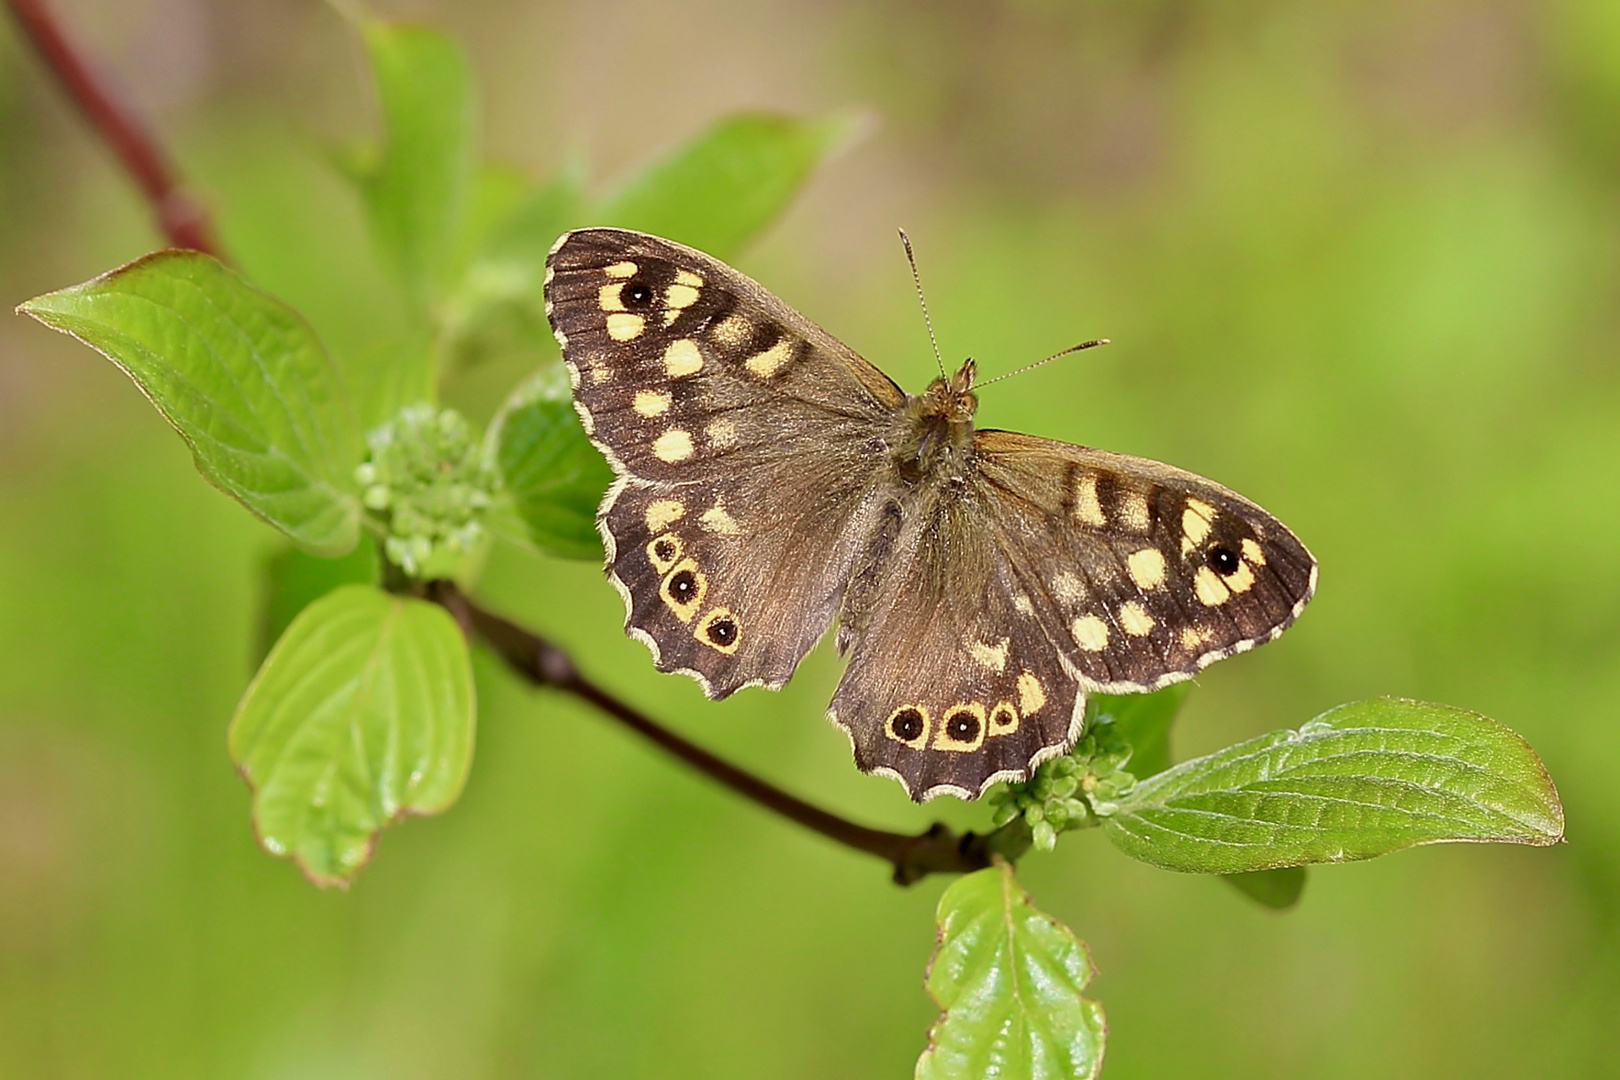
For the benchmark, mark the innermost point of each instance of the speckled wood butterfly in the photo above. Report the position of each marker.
(770, 480)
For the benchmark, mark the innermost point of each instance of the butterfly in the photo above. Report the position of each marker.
(770, 481)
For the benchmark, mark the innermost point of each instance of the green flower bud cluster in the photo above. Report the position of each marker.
(1070, 792)
(427, 483)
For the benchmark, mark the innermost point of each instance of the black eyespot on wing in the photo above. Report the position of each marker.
(683, 586)
(638, 295)
(908, 724)
(1224, 560)
(665, 549)
(723, 631)
(962, 726)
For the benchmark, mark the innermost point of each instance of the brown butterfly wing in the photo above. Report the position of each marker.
(1142, 574)
(743, 439)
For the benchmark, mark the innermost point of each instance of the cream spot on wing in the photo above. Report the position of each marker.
(652, 402)
(621, 270)
(625, 327)
(993, 657)
(1211, 590)
(608, 299)
(1031, 696)
(686, 277)
(1090, 633)
(670, 316)
(716, 520)
(772, 360)
(1003, 719)
(662, 512)
(1067, 587)
(1133, 511)
(1022, 605)
(1253, 552)
(600, 374)
(1087, 509)
(1134, 619)
(1196, 521)
(680, 296)
(733, 330)
(722, 434)
(551, 272)
(1241, 579)
(1146, 567)
(673, 446)
(1193, 637)
(682, 358)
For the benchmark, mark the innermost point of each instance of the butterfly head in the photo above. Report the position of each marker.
(951, 398)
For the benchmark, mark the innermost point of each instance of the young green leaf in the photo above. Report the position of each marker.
(1008, 980)
(1277, 889)
(239, 375)
(1143, 721)
(722, 187)
(553, 475)
(416, 189)
(362, 714)
(1361, 780)
(294, 579)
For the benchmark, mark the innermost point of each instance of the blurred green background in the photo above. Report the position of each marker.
(1360, 261)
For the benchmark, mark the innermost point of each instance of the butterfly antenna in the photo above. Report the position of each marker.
(916, 278)
(1093, 343)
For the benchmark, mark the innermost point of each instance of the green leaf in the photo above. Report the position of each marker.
(1277, 889)
(416, 190)
(1360, 780)
(362, 714)
(1143, 721)
(239, 375)
(721, 188)
(553, 475)
(508, 270)
(295, 579)
(1008, 980)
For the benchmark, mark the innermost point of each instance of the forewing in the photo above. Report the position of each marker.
(952, 684)
(745, 442)
(1142, 574)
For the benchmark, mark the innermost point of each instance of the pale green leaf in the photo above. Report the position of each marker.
(553, 476)
(1008, 980)
(294, 579)
(241, 377)
(417, 188)
(723, 186)
(363, 713)
(1361, 780)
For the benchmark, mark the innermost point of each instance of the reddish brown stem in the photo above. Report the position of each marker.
(182, 220)
(938, 850)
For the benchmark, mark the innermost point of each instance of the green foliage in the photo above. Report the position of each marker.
(1278, 889)
(1142, 723)
(1360, 780)
(554, 476)
(428, 484)
(416, 187)
(294, 579)
(721, 188)
(1008, 980)
(239, 375)
(362, 714)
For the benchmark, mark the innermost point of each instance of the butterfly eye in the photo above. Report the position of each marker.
(1224, 560)
(638, 294)
(723, 631)
(909, 724)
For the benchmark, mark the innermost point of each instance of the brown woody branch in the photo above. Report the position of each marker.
(186, 224)
(938, 850)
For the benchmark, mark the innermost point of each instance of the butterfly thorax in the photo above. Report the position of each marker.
(936, 428)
